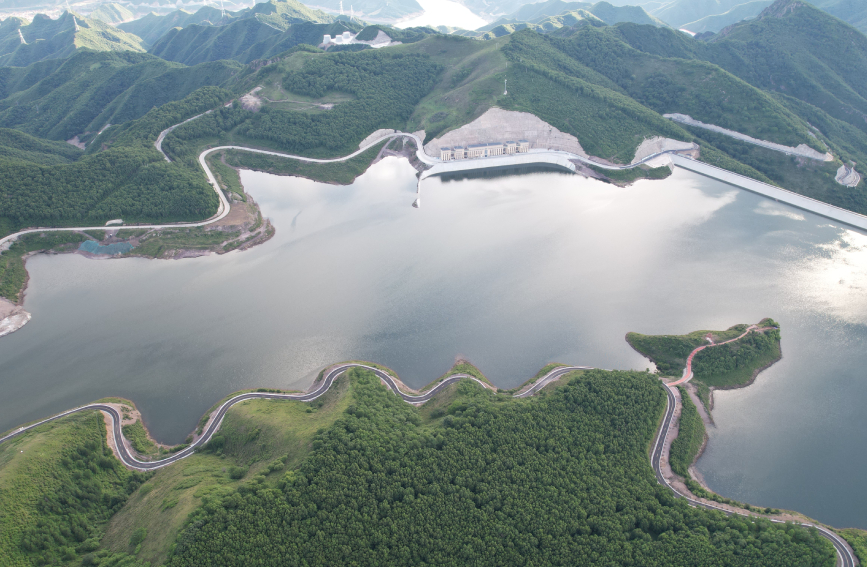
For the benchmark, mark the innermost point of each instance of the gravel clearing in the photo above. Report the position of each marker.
(801, 150)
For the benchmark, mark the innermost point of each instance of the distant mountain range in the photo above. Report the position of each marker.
(563, 18)
(152, 27)
(23, 43)
(714, 15)
(605, 74)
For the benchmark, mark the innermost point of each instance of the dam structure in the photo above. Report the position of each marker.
(664, 158)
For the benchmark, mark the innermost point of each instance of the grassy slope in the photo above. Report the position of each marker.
(38, 467)
(471, 84)
(227, 177)
(810, 63)
(698, 88)
(598, 88)
(153, 26)
(138, 438)
(198, 43)
(246, 39)
(460, 367)
(387, 471)
(801, 51)
(261, 440)
(112, 14)
(543, 81)
(259, 432)
(669, 353)
(739, 376)
(858, 540)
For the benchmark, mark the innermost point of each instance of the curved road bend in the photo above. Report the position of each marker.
(552, 376)
(845, 557)
(216, 420)
(223, 209)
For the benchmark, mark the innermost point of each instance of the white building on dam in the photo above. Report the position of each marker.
(492, 149)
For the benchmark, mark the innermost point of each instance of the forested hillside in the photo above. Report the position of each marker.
(112, 13)
(606, 85)
(485, 480)
(563, 18)
(244, 40)
(610, 15)
(377, 10)
(724, 365)
(90, 90)
(60, 487)
(16, 145)
(128, 180)
(802, 52)
(385, 87)
(792, 48)
(23, 43)
(706, 13)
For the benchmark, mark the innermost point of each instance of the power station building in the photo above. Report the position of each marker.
(484, 150)
(342, 39)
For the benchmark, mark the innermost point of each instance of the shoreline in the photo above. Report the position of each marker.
(712, 389)
(246, 218)
(667, 431)
(13, 316)
(207, 417)
(845, 555)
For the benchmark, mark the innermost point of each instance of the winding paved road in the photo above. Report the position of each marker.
(224, 206)
(216, 420)
(845, 556)
(844, 553)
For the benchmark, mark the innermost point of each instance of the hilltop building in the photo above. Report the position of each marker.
(343, 39)
(484, 150)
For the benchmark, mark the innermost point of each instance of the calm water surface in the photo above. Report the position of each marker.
(511, 273)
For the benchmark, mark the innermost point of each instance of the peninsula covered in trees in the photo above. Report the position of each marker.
(730, 365)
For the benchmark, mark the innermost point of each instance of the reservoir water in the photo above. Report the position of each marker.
(509, 272)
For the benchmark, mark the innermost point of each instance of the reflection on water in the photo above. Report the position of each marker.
(503, 171)
(511, 272)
